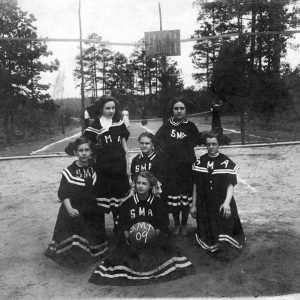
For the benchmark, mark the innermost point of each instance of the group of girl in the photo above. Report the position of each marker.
(165, 178)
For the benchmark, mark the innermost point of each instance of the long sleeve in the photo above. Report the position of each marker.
(64, 190)
(162, 215)
(124, 216)
(125, 132)
(90, 133)
(159, 140)
(157, 168)
(195, 135)
(230, 175)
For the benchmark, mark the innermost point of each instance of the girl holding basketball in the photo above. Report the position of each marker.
(143, 254)
(143, 206)
(176, 140)
(214, 207)
(109, 136)
(77, 235)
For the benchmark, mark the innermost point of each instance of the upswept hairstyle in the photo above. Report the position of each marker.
(176, 100)
(102, 101)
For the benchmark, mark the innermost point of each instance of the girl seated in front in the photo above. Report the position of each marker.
(143, 253)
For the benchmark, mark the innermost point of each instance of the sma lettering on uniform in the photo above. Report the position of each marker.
(108, 139)
(210, 165)
(177, 135)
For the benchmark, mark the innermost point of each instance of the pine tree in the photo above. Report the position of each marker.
(21, 61)
(20, 64)
(263, 51)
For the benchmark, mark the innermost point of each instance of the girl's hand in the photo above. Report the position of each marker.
(157, 232)
(226, 210)
(193, 211)
(72, 212)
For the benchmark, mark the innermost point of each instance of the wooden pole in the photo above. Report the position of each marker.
(242, 109)
(163, 61)
(62, 118)
(81, 68)
(160, 19)
(104, 43)
(163, 58)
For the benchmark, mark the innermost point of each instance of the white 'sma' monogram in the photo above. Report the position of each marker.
(143, 167)
(225, 163)
(108, 139)
(177, 135)
(141, 211)
(210, 165)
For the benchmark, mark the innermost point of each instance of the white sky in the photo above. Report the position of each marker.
(115, 21)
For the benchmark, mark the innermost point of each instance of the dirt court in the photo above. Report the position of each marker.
(268, 201)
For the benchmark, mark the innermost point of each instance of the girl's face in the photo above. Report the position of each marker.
(109, 109)
(146, 145)
(84, 152)
(212, 146)
(179, 110)
(142, 185)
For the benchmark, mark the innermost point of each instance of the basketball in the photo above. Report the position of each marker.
(141, 234)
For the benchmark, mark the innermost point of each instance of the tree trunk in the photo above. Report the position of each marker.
(259, 44)
(103, 75)
(252, 39)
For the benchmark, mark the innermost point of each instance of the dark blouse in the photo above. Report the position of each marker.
(213, 175)
(177, 139)
(78, 184)
(152, 211)
(142, 162)
(108, 142)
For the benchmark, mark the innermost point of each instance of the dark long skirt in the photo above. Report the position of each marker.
(178, 186)
(113, 183)
(78, 240)
(127, 266)
(214, 231)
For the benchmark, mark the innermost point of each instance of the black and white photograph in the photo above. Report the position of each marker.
(150, 149)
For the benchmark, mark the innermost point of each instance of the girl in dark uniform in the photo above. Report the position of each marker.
(177, 139)
(214, 207)
(78, 236)
(109, 136)
(148, 159)
(156, 262)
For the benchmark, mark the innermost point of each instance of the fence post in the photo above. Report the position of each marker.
(9, 135)
(243, 127)
(296, 129)
(62, 116)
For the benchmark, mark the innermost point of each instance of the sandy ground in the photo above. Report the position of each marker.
(268, 203)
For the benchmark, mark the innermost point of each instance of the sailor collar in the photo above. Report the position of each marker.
(137, 199)
(176, 122)
(150, 156)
